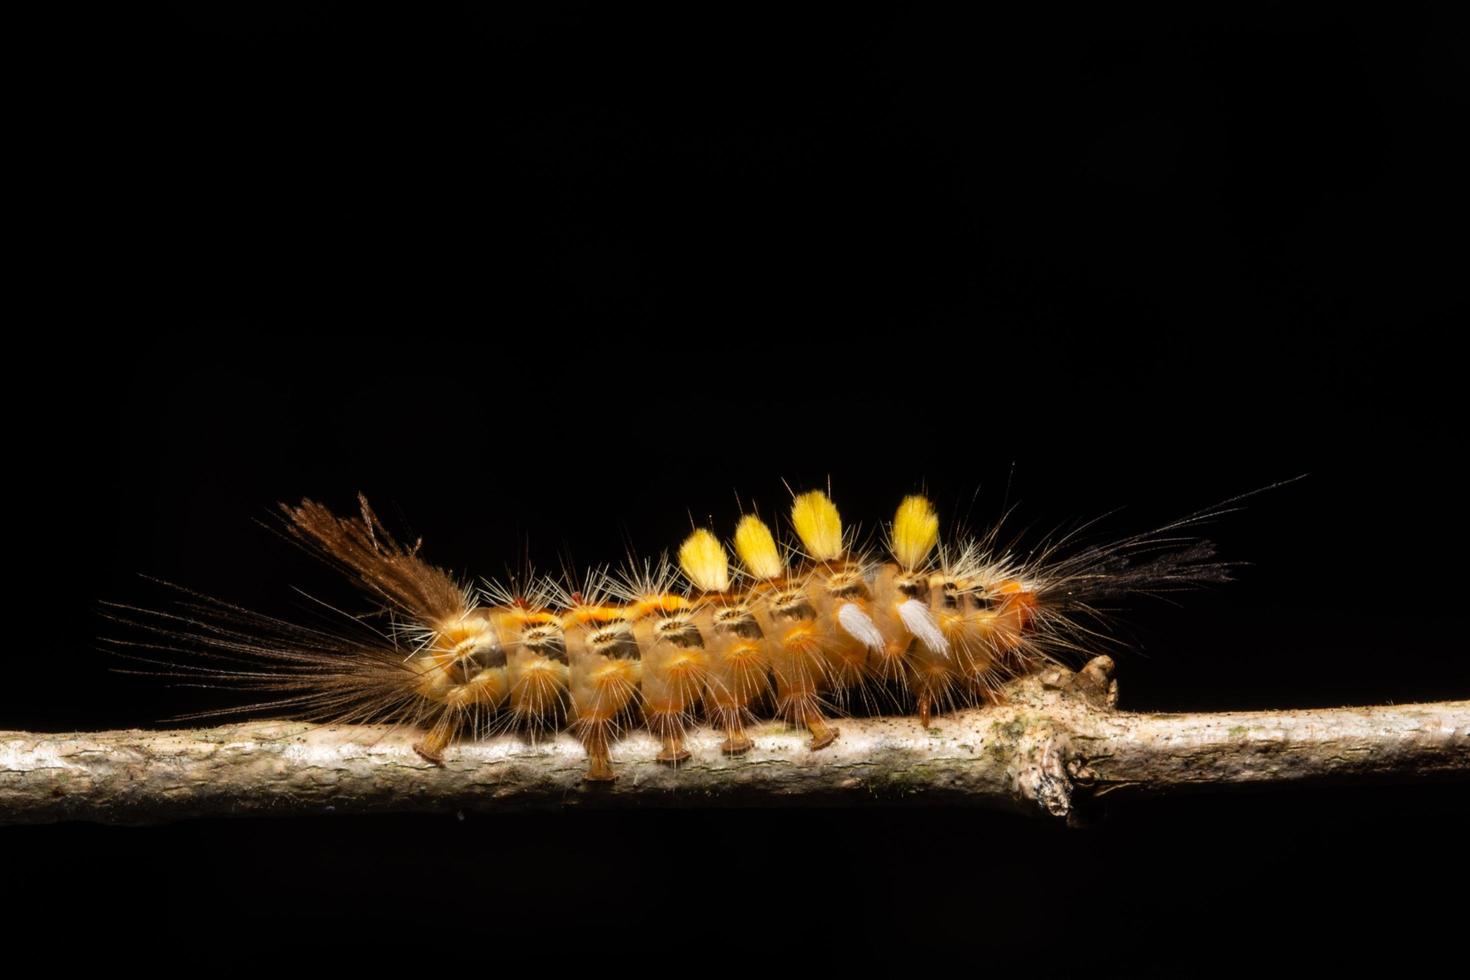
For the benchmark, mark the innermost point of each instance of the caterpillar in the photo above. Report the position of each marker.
(803, 627)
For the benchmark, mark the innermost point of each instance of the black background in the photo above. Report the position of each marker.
(557, 280)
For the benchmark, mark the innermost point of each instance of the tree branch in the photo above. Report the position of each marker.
(1056, 742)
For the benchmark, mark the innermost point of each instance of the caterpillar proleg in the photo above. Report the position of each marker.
(801, 626)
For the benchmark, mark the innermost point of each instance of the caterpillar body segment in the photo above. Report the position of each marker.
(675, 675)
(785, 615)
(740, 670)
(605, 676)
(463, 673)
(738, 659)
(795, 630)
(800, 658)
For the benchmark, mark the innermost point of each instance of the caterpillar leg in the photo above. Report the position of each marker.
(604, 691)
(431, 747)
(800, 665)
(935, 687)
(804, 710)
(669, 727)
(464, 684)
(730, 719)
(596, 736)
(602, 700)
(934, 676)
(739, 676)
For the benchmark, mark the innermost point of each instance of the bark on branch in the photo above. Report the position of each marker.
(1058, 741)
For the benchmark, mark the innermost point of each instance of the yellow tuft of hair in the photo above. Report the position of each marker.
(757, 549)
(703, 559)
(915, 531)
(818, 525)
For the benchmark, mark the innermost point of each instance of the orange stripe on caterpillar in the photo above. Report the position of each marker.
(794, 632)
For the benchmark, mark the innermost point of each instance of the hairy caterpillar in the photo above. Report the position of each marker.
(801, 630)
